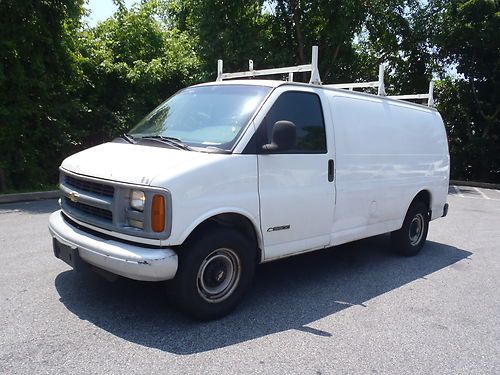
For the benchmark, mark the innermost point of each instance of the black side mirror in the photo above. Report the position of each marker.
(284, 137)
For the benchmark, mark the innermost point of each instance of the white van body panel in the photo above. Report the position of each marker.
(294, 191)
(386, 153)
(225, 183)
(202, 185)
(134, 164)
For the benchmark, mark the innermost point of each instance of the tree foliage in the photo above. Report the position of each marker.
(468, 38)
(126, 66)
(35, 65)
(65, 86)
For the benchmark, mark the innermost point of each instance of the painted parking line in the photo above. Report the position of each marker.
(474, 193)
(482, 194)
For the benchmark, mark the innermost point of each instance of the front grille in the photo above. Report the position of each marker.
(92, 187)
(106, 204)
(91, 210)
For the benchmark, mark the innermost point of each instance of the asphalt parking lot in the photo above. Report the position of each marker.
(355, 309)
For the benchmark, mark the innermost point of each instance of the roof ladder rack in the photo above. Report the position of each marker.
(250, 73)
(379, 84)
(429, 96)
(316, 80)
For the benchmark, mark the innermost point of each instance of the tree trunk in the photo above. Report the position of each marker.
(3, 180)
(297, 19)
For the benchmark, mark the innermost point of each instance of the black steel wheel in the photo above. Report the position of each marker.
(410, 239)
(215, 270)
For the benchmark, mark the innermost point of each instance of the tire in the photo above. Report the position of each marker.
(215, 270)
(410, 239)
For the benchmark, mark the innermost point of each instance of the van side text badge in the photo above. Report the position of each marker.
(275, 229)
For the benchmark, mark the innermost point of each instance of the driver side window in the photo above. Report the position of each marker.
(304, 110)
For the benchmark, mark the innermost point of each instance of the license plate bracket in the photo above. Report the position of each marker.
(68, 255)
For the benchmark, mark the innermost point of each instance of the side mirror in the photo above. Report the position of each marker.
(283, 138)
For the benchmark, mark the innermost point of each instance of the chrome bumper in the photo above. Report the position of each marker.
(117, 257)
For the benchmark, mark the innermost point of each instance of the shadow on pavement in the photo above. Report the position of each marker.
(288, 294)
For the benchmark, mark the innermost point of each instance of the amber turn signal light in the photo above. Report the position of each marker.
(158, 213)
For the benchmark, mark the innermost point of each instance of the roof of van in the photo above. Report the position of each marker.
(277, 83)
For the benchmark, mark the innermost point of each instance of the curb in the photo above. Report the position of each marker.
(34, 196)
(485, 185)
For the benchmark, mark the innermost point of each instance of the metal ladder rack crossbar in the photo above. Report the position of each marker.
(316, 80)
(359, 85)
(429, 96)
(312, 67)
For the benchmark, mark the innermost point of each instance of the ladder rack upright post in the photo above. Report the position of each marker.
(381, 85)
(315, 78)
(219, 70)
(430, 99)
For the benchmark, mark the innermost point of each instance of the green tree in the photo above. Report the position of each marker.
(332, 25)
(467, 37)
(234, 31)
(396, 33)
(35, 64)
(126, 66)
(65, 86)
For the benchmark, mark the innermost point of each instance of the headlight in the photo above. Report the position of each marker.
(137, 199)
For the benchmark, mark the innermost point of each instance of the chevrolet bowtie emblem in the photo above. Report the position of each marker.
(74, 196)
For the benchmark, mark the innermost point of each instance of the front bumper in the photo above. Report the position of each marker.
(117, 257)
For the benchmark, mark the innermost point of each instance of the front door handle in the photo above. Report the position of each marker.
(331, 168)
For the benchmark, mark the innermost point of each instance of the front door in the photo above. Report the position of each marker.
(296, 187)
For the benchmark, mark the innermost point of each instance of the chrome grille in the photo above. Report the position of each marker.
(87, 199)
(91, 210)
(89, 186)
(106, 204)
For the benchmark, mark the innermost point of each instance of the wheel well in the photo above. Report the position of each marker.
(423, 196)
(232, 220)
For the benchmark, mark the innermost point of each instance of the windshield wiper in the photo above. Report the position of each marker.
(172, 141)
(128, 138)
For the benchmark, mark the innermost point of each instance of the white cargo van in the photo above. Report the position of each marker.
(225, 175)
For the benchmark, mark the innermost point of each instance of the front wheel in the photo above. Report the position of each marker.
(411, 237)
(215, 270)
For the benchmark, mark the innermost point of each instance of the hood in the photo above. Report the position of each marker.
(135, 164)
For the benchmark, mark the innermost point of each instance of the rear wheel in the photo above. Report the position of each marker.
(215, 270)
(411, 237)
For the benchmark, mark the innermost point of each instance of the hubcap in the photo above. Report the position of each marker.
(416, 229)
(218, 275)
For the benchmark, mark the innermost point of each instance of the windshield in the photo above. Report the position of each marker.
(204, 116)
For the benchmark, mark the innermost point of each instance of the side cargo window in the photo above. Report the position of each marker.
(304, 110)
